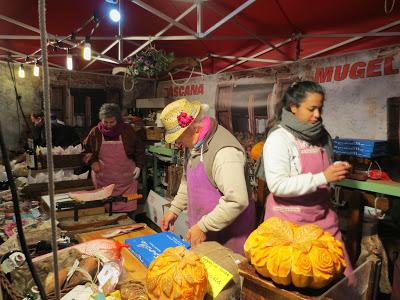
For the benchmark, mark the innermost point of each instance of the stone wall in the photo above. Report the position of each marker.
(30, 89)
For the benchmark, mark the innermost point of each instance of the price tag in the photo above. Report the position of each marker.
(218, 277)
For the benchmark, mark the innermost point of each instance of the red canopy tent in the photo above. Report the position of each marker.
(224, 35)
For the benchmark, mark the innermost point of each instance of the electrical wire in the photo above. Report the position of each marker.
(124, 83)
(388, 11)
(49, 143)
(182, 83)
(18, 102)
(56, 44)
(17, 213)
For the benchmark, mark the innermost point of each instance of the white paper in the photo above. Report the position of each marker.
(80, 292)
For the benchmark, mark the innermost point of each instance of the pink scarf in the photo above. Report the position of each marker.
(111, 132)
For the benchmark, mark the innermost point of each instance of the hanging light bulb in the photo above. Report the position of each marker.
(87, 51)
(21, 71)
(36, 70)
(114, 14)
(70, 65)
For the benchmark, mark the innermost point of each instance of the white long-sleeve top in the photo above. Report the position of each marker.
(283, 168)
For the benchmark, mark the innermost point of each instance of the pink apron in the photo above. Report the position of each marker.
(116, 168)
(203, 197)
(314, 207)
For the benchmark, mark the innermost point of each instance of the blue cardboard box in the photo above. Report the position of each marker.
(147, 248)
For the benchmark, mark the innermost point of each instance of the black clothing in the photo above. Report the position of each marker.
(62, 135)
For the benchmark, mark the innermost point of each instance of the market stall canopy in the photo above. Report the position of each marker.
(224, 35)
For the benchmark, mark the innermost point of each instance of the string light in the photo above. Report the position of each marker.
(36, 70)
(70, 65)
(87, 51)
(114, 14)
(21, 71)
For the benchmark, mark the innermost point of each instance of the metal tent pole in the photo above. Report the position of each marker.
(49, 144)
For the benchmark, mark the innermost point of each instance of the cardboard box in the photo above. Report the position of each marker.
(154, 133)
(147, 248)
(154, 207)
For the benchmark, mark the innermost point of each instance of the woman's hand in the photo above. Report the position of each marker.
(337, 171)
(195, 235)
(136, 173)
(168, 220)
(95, 167)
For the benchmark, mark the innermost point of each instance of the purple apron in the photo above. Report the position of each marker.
(203, 197)
(116, 168)
(314, 207)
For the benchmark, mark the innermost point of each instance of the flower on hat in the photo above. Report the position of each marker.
(184, 119)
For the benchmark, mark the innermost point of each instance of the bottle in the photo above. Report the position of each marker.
(30, 155)
(39, 158)
(30, 159)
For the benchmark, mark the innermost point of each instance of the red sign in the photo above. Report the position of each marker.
(184, 90)
(357, 70)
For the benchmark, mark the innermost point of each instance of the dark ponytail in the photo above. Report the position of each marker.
(295, 94)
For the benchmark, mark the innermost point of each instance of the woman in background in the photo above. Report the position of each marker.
(116, 155)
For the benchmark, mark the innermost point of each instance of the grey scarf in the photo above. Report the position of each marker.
(315, 134)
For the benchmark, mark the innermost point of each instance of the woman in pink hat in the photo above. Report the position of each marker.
(214, 188)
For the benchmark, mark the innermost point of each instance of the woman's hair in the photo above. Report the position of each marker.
(109, 110)
(295, 95)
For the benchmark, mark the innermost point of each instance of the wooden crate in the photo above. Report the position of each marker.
(154, 133)
(360, 284)
(256, 287)
(64, 161)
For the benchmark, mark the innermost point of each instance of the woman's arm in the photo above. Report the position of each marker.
(279, 163)
(91, 147)
(179, 203)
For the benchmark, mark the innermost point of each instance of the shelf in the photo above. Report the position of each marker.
(390, 188)
(161, 150)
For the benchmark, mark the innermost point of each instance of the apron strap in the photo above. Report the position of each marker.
(201, 153)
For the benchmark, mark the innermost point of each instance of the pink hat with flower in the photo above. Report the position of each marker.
(177, 116)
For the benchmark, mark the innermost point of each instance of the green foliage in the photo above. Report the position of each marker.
(149, 62)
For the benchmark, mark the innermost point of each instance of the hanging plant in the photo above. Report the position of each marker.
(150, 62)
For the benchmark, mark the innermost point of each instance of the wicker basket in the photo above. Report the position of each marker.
(43, 266)
(8, 289)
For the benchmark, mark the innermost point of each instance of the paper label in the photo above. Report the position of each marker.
(72, 270)
(80, 292)
(218, 277)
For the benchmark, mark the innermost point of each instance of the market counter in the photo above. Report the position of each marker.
(389, 188)
(135, 269)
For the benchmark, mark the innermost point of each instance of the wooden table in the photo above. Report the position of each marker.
(135, 269)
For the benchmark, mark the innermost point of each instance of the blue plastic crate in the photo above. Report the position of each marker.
(370, 144)
(360, 147)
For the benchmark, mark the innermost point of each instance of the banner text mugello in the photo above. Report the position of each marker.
(357, 70)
